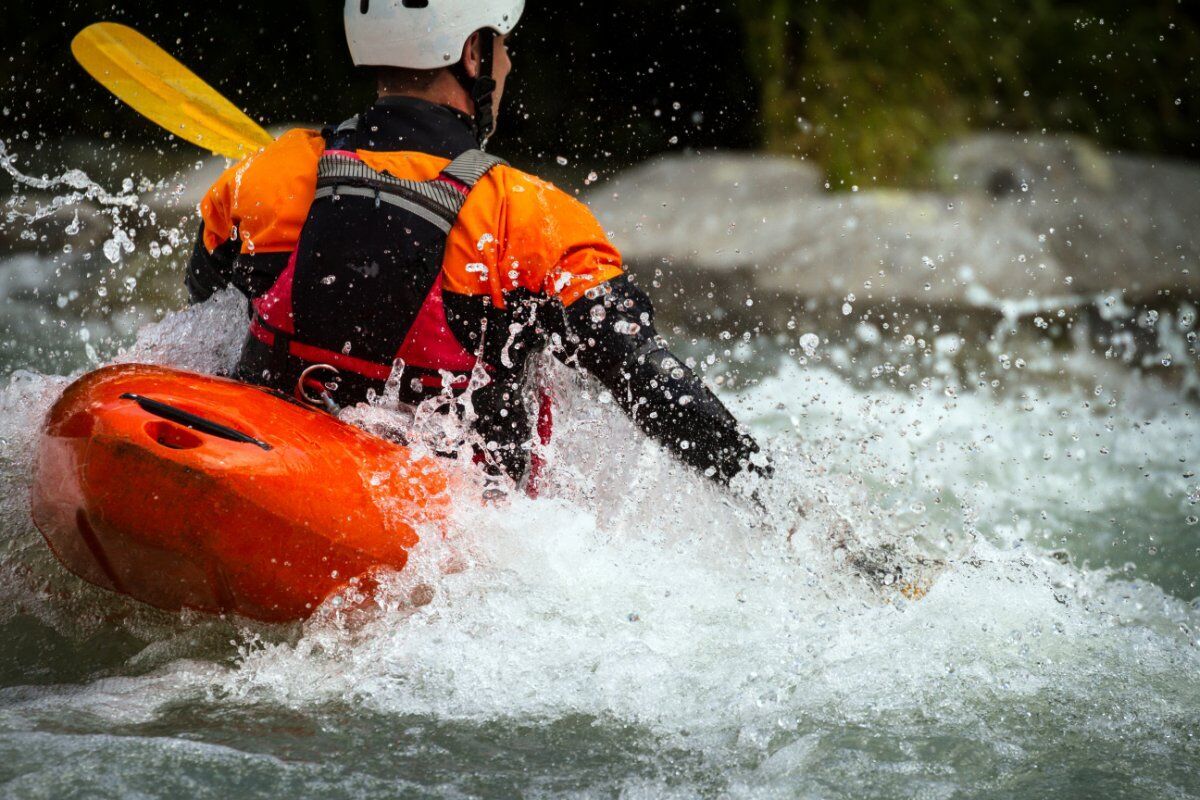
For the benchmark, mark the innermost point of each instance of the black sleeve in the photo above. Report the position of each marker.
(610, 332)
(208, 273)
(252, 275)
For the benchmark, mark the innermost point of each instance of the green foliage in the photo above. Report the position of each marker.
(868, 87)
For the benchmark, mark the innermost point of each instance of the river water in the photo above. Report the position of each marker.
(949, 589)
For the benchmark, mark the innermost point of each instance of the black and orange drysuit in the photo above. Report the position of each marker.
(390, 247)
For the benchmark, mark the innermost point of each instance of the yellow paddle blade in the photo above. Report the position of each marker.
(158, 87)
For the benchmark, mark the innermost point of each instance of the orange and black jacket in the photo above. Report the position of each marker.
(389, 247)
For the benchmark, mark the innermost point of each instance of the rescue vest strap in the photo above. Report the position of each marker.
(283, 344)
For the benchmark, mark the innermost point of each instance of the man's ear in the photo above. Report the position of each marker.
(471, 55)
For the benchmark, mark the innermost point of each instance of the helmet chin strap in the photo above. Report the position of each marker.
(483, 88)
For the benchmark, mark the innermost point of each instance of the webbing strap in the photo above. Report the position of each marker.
(335, 170)
(284, 344)
(439, 197)
(440, 218)
(471, 166)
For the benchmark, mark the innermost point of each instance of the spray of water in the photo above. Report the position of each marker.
(909, 603)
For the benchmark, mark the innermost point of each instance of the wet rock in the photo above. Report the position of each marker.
(1014, 219)
(915, 247)
(1002, 165)
(701, 208)
(675, 216)
(1111, 221)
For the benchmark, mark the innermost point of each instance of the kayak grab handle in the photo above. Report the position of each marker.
(193, 421)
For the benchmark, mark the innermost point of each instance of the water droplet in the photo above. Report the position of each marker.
(809, 342)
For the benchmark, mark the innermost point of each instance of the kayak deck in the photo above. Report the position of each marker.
(189, 491)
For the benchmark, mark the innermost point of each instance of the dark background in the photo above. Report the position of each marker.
(589, 78)
(864, 87)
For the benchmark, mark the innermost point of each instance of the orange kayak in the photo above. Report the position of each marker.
(188, 491)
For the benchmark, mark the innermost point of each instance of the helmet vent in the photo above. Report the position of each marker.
(364, 7)
(416, 3)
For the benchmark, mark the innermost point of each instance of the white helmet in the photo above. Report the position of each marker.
(422, 34)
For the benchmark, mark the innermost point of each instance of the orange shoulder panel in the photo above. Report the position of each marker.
(264, 199)
(516, 231)
(409, 166)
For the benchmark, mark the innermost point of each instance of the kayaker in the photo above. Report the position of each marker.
(392, 246)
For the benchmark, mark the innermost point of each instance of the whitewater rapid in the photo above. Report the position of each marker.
(761, 642)
(953, 585)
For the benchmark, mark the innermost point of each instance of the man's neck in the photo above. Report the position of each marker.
(445, 91)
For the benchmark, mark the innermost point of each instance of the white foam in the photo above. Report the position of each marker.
(636, 592)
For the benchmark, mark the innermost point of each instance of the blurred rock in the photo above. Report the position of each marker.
(702, 207)
(761, 222)
(1017, 220)
(1005, 165)
(1112, 221)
